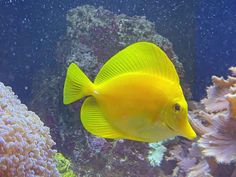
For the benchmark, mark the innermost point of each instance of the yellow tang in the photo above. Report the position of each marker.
(136, 95)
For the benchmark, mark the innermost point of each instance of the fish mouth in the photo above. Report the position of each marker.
(188, 132)
(190, 135)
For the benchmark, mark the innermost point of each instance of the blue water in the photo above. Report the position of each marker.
(215, 41)
(202, 31)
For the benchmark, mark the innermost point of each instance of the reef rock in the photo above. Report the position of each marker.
(93, 36)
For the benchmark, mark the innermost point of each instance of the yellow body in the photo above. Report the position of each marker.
(132, 99)
(133, 103)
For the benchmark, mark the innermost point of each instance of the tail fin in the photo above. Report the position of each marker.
(77, 85)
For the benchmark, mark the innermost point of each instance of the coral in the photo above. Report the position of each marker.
(63, 165)
(156, 153)
(201, 169)
(25, 143)
(190, 161)
(214, 120)
(93, 36)
(214, 153)
(95, 144)
(220, 139)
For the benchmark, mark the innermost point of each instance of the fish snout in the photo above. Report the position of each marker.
(187, 131)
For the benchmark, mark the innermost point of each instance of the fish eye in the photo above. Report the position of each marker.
(177, 107)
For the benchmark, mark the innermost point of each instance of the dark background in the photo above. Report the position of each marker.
(203, 34)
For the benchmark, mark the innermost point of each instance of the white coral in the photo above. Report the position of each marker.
(25, 143)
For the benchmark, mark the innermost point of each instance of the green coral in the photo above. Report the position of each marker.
(63, 166)
(156, 153)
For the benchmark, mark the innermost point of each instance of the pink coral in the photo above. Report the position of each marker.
(190, 161)
(215, 122)
(25, 143)
(219, 140)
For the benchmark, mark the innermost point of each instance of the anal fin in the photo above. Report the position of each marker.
(95, 122)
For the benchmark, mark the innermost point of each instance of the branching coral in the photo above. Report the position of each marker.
(25, 143)
(214, 120)
(220, 139)
(190, 161)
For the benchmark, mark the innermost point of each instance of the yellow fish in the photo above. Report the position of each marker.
(136, 95)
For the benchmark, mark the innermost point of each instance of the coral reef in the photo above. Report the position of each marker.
(214, 153)
(216, 124)
(93, 36)
(25, 143)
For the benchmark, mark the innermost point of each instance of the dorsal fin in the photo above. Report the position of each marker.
(139, 57)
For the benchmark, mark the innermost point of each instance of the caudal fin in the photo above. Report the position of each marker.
(77, 85)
